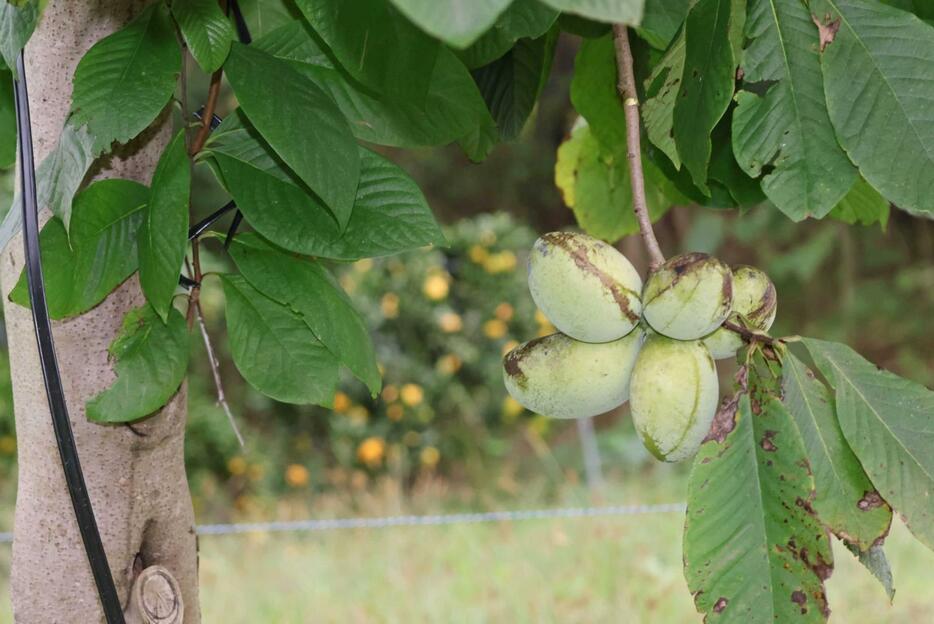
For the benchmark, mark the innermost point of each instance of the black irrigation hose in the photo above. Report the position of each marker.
(74, 478)
(198, 228)
(243, 33)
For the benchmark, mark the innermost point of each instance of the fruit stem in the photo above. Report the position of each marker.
(627, 91)
(749, 335)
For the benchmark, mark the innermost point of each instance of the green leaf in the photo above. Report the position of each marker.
(58, 176)
(207, 31)
(781, 130)
(863, 205)
(480, 141)
(300, 122)
(264, 16)
(743, 190)
(753, 551)
(875, 561)
(706, 88)
(623, 11)
(7, 121)
(100, 254)
(457, 22)
(846, 502)
(376, 44)
(522, 19)
(309, 289)
(661, 92)
(452, 107)
(275, 350)
(511, 84)
(125, 80)
(17, 21)
(163, 236)
(151, 358)
(390, 213)
(887, 421)
(878, 102)
(594, 94)
(595, 184)
(662, 20)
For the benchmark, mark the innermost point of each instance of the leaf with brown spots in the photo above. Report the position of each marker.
(754, 552)
(826, 30)
(841, 483)
(887, 421)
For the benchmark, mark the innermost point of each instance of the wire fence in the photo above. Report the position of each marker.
(384, 522)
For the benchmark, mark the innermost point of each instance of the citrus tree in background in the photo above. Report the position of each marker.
(817, 109)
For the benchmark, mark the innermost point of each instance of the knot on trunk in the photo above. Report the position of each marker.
(155, 598)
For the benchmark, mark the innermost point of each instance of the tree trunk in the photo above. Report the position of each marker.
(136, 476)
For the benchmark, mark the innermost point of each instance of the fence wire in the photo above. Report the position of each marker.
(384, 522)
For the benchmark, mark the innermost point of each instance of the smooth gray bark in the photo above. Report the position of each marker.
(136, 478)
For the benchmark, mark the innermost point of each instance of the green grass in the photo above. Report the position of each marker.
(623, 569)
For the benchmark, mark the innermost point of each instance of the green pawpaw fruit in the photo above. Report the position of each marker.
(585, 287)
(561, 377)
(673, 396)
(688, 297)
(754, 306)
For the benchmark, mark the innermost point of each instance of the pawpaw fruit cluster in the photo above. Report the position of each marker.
(653, 344)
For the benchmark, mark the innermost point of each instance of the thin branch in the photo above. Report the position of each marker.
(213, 92)
(216, 371)
(627, 90)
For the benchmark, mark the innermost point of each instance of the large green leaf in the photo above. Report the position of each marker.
(17, 21)
(58, 176)
(150, 359)
(781, 130)
(888, 423)
(457, 22)
(376, 44)
(875, 67)
(275, 350)
(623, 11)
(125, 80)
(594, 94)
(163, 236)
(79, 273)
(712, 32)
(512, 83)
(863, 205)
(595, 184)
(7, 121)
(662, 20)
(522, 19)
(846, 501)
(207, 31)
(390, 213)
(300, 122)
(452, 107)
(308, 289)
(661, 92)
(754, 553)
